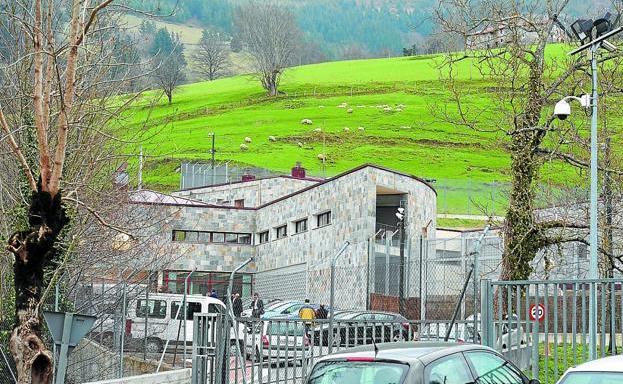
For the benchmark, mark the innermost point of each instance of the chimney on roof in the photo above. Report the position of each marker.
(298, 171)
(248, 177)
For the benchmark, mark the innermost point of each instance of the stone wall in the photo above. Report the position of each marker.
(210, 257)
(254, 193)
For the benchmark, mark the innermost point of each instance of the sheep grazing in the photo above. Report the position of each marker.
(361, 129)
(306, 122)
(398, 109)
(322, 157)
(244, 147)
(318, 130)
(401, 106)
(272, 138)
(346, 129)
(247, 140)
(343, 105)
(321, 106)
(387, 109)
(300, 144)
(349, 110)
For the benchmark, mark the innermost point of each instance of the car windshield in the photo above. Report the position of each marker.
(592, 378)
(357, 372)
(274, 305)
(278, 306)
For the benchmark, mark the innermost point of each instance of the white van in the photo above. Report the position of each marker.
(163, 324)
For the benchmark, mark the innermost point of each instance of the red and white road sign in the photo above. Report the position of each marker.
(537, 312)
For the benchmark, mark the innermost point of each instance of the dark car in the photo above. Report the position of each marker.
(417, 363)
(363, 327)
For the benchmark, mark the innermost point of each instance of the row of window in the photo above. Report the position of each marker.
(211, 237)
(281, 231)
(300, 226)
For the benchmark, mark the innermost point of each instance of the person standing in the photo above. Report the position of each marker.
(321, 312)
(257, 306)
(213, 294)
(237, 305)
(307, 314)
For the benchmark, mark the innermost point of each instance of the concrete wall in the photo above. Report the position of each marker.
(90, 361)
(180, 376)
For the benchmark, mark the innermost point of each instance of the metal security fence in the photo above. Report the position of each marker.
(544, 326)
(284, 350)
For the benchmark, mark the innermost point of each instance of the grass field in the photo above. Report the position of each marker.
(347, 102)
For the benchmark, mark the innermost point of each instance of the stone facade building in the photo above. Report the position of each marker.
(292, 226)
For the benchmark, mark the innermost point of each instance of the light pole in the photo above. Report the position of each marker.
(593, 35)
(400, 214)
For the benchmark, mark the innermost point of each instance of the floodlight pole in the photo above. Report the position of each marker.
(592, 328)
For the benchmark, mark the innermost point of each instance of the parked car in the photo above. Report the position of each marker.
(512, 337)
(286, 308)
(415, 363)
(267, 308)
(362, 327)
(602, 371)
(276, 341)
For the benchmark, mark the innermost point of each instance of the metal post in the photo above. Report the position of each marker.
(213, 151)
(593, 215)
(140, 170)
(401, 277)
(123, 309)
(486, 309)
(230, 311)
(146, 314)
(477, 269)
(56, 293)
(332, 295)
(62, 361)
(421, 274)
(185, 314)
(387, 240)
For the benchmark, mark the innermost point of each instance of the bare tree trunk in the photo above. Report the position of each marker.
(34, 251)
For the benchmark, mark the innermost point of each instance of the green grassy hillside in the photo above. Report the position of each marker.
(408, 136)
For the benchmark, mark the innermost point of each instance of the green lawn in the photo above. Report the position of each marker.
(470, 168)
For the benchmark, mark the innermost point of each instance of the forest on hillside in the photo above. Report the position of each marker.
(342, 28)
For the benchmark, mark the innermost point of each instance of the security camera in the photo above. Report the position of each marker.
(562, 110)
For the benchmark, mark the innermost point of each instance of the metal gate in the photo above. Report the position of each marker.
(544, 326)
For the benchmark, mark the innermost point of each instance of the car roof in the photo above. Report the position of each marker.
(410, 352)
(606, 364)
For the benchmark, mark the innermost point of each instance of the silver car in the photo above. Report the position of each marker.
(417, 363)
(602, 371)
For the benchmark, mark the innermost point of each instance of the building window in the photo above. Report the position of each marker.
(239, 203)
(323, 219)
(179, 235)
(300, 226)
(231, 238)
(218, 237)
(264, 237)
(244, 238)
(211, 237)
(281, 232)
